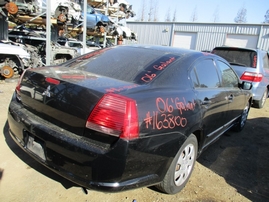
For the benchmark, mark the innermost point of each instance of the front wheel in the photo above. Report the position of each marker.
(181, 168)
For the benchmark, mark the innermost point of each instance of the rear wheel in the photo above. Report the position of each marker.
(242, 119)
(181, 168)
(260, 103)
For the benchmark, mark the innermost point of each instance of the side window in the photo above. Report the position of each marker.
(206, 73)
(228, 77)
(194, 79)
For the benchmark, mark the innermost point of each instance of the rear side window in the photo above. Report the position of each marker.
(228, 77)
(238, 57)
(204, 75)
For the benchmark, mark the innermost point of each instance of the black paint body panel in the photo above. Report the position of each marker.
(54, 113)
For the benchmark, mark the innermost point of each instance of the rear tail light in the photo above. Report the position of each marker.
(18, 86)
(115, 115)
(251, 76)
(52, 81)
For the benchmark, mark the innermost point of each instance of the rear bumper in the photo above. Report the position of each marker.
(258, 90)
(84, 161)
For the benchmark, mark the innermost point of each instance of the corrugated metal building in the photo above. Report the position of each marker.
(202, 36)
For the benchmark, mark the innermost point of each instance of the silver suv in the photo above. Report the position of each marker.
(250, 65)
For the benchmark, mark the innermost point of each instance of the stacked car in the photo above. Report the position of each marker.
(28, 20)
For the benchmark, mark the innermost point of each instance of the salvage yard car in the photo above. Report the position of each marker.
(123, 117)
(251, 65)
(96, 21)
(13, 59)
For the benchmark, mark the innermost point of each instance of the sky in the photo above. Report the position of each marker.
(205, 9)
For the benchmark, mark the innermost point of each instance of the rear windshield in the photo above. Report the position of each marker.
(238, 57)
(137, 65)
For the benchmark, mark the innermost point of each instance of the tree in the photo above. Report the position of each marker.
(266, 17)
(175, 16)
(216, 15)
(150, 10)
(194, 15)
(241, 16)
(167, 17)
(155, 11)
(142, 16)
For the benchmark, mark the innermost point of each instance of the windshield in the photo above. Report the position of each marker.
(239, 57)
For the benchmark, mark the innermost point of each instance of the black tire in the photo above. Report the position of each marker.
(260, 103)
(181, 168)
(242, 119)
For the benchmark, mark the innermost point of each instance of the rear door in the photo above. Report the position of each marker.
(212, 98)
(235, 96)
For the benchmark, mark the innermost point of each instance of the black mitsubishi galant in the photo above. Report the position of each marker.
(127, 116)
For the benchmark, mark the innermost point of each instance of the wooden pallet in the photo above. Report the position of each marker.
(97, 3)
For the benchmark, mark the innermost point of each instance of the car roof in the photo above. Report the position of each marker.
(174, 50)
(13, 50)
(239, 48)
(140, 64)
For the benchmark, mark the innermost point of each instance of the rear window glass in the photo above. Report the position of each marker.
(137, 65)
(238, 57)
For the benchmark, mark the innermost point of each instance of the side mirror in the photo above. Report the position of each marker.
(245, 85)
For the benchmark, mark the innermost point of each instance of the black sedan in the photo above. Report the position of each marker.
(127, 116)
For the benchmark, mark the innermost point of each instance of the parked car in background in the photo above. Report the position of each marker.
(122, 7)
(250, 65)
(96, 21)
(73, 43)
(123, 117)
(66, 11)
(27, 7)
(58, 53)
(13, 59)
(120, 29)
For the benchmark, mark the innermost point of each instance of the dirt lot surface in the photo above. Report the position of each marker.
(235, 168)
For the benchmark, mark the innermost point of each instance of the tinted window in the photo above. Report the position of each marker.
(194, 79)
(229, 78)
(239, 57)
(137, 65)
(206, 73)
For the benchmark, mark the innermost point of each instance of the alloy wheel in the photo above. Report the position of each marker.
(184, 164)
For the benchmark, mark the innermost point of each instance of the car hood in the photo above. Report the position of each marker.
(13, 50)
(103, 17)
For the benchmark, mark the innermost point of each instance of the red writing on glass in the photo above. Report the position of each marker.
(160, 67)
(254, 61)
(148, 77)
(164, 64)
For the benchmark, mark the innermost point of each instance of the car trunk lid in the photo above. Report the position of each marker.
(65, 97)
